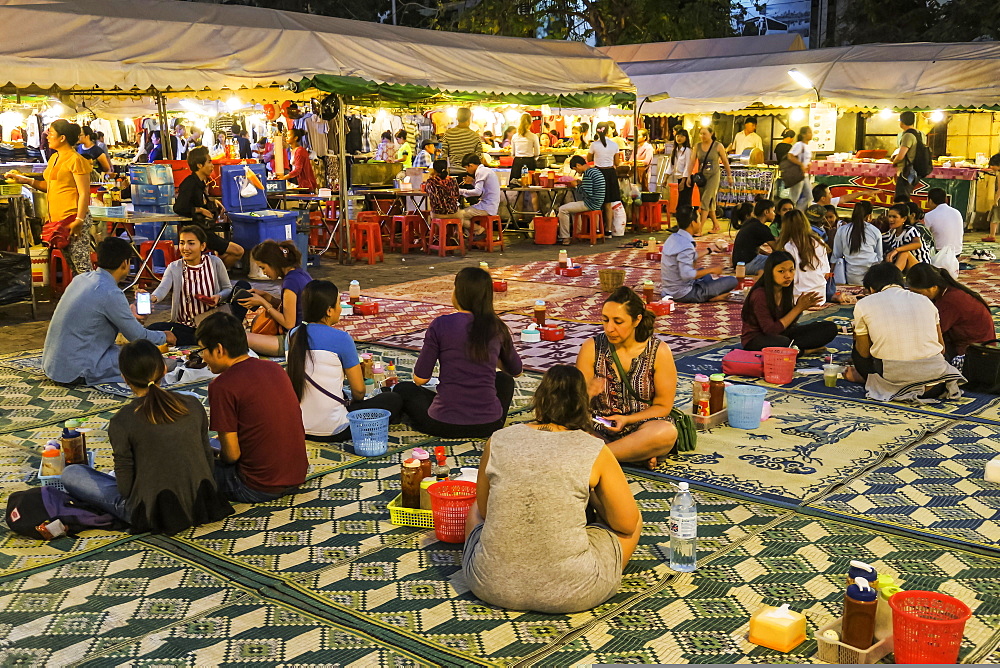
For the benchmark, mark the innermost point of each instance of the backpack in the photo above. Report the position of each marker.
(921, 160)
(27, 509)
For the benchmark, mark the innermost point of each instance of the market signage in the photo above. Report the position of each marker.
(879, 190)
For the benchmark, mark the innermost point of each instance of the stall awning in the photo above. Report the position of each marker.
(167, 44)
(705, 48)
(919, 75)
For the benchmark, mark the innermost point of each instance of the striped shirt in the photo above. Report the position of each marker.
(458, 143)
(198, 280)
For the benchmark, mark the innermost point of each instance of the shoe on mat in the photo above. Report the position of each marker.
(989, 239)
(977, 255)
(988, 255)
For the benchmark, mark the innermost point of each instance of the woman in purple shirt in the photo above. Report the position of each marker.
(473, 397)
(277, 260)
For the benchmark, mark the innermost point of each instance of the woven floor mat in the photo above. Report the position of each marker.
(395, 317)
(542, 355)
(935, 489)
(438, 290)
(545, 272)
(808, 444)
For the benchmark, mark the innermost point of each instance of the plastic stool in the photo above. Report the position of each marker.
(60, 274)
(368, 242)
(440, 228)
(147, 249)
(411, 229)
(649, 218)
(589, 225)
(493, 227)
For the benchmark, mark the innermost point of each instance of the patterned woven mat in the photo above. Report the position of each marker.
(542, 355)
(935, 489)
(808, 444)
(545, 272)
(983, 279)
(394, 318)
(438, 290)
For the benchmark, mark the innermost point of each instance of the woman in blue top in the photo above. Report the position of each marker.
(473, 397)
(858, 244)
(321, 359)
(277, 260)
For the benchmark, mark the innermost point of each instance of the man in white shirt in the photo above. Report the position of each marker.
(822, 196)
(944, 222)
(482, 182)
(748, 138)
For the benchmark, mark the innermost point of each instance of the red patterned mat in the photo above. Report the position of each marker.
(984, 279)
(545, 272)
(395, 317)
(438, 290)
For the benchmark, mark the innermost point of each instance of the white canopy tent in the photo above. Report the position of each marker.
(167, 44)
(920, 75)
(705, 48)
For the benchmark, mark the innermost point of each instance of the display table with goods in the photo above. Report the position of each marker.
(747, 184)
(846, 176)
(16, 284)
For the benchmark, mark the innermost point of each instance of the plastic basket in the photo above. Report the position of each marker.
(370, 431)
(745, 405)
(56, 480)
(109, 211)
(927, 626)
(779, 365)
(611, 279)
(833, 651)
(410, 517)
(451, 501)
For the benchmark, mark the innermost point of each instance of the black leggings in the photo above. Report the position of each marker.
(417, 401)
(807, 337)
(389, 401)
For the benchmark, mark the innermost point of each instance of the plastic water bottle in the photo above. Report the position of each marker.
(683, 531)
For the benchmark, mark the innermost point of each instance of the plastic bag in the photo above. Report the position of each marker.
(947, 258)
(617, 219)
(15, 278)
(247, 189)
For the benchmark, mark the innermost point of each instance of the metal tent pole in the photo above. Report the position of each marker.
(161, 112)
(345, 254)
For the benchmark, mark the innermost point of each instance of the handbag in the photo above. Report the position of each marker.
(699, 179)
(982, 367)
(265, 324)
(687, 434)
(741, 362)
(791, 173)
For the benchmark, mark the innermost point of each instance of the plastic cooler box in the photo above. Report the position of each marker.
(152, 175)
(249, 229)
(140, 209)
(153, 195)
(151, 231)
(231, 199)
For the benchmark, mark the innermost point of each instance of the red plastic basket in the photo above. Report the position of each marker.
(927, 627)
(779, 365)
(450, 503)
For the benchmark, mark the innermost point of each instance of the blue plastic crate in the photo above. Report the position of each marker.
(140, 209)
(151, 231)
(155, 175)
(231, 199)
(150, 195)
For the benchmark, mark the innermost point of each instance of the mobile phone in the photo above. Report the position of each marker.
(603, 421)
(205, 299)
(142, 303)
(242, 294)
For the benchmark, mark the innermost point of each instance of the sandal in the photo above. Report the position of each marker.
(566, 242)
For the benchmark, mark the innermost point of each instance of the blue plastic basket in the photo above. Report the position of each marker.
(370, 431)
(746, 403)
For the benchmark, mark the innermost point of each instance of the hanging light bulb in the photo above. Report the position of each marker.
(937, 116)
(798, 115)
(234, 103)
(885, 113)
(706, 121)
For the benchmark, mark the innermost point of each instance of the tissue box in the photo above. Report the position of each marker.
(499, 286)
(654, 257)
(570, 271)
(552, 332)
(366, 308)
(661, 308)
(530, 336)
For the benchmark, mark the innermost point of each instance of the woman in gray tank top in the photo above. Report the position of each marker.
(528, 543)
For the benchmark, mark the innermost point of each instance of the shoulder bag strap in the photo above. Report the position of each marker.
(312, 382)
(625, 377)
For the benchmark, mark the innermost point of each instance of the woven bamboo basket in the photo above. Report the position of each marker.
(611, 279)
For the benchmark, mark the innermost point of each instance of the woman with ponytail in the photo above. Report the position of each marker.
(164, 478)
(858, 244)
(631, 379)
(277, 260)
(606, 154)
(964, 315)
(473, 396)
(321, 359)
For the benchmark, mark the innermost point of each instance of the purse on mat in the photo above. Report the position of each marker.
(982, 367)
(741, 362)
(687, 434)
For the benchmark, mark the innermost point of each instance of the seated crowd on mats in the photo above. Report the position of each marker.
(263, 413)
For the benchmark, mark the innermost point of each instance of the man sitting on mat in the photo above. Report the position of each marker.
(679, 278)
(898, 343)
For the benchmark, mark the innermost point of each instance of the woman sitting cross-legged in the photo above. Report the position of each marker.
(544, 555)
(632, 379)
(770, 311)
(965, 315)
(320, 359)
(164, 466)
(277, 260)
(473, 397)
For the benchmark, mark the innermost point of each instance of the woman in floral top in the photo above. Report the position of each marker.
(442, 190)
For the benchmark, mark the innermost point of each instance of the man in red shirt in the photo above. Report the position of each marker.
(256, 414)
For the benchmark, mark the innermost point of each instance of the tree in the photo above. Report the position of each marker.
(607, 22)
(868, 21)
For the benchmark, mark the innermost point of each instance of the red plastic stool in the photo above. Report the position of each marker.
(147, 248)
(60, 274)
(494, 233)
(649, 218)
(411, 229)
(368, 242)
(439, 232)
(589, 225)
